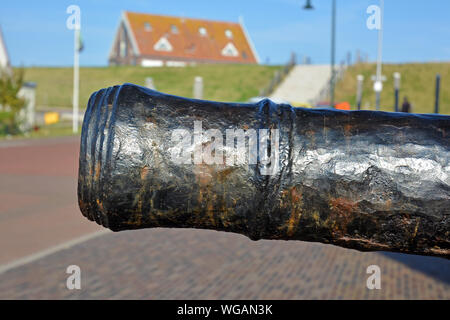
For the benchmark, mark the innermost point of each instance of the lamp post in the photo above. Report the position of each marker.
(308, 6)
(438, 88)
(74, 23)
(378, 86)
(397, 78)
(359, 90)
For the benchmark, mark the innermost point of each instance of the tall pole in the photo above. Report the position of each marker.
(359, 90)
(308, 6)
(380, 56)
(76, 78)
(397, 78)
(333, 53)
(438, 87)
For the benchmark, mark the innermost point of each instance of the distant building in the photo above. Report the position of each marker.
(154, 40)
(4, 59)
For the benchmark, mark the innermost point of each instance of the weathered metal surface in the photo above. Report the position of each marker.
(363, 180)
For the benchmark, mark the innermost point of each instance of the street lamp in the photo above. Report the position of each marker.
(397, 78)
(308, 6)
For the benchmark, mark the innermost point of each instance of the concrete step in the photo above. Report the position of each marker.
(303, 84)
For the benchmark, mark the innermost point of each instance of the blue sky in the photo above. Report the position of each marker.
(415, 31)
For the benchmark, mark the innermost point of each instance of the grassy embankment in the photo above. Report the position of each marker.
(235, 83)
(221, 82)
(417, 83)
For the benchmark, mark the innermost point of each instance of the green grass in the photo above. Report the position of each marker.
(221, 82)
(54, 130)
(417, 83)
(61, 129)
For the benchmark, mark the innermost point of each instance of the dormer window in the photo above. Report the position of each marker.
(202, 31)
(230, 50)
(174, 28)
(229, 34)
(163, 45)
(147, 26)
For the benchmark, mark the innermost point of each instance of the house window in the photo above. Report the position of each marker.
(123, 48)
(123, 43)
(163, 45)
(147, 26)
(174, 28)
(202, 31)
(230, 50)
(229, 34)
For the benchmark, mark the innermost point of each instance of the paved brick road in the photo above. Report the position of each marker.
(38, 204)
(38, 210)
(194, 264)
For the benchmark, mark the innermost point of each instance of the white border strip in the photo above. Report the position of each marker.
(131, 33)
(47, 252)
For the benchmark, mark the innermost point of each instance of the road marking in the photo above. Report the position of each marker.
(34, 142)
(49, 251)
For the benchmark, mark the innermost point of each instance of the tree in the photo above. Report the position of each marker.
(10, 102)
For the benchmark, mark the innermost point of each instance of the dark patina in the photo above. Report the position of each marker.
(363, 180)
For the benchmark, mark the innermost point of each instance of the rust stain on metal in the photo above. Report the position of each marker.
(367, 242)
(388, 204)
(342, 207)
(440, 252)
(144, 172)
(416, 228)
(348, 130)
(341, 213)
(203, 175)
(150, 119)
(312, 136)
(100, 204)
(222, 175)
(97, 171)
(82, 204)
(293, 199)
(307, 199)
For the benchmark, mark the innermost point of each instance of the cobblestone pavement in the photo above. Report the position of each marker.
(38, 201)
(197, 264)
(38, 210)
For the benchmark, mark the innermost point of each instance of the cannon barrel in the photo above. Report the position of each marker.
(363, 180)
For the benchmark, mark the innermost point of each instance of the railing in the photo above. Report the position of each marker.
(325, 92)
(278, 77)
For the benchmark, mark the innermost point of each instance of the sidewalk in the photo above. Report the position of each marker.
(38, 200)
(38, 211)
(201, 264)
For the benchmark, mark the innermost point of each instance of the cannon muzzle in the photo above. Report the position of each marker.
(363, 180)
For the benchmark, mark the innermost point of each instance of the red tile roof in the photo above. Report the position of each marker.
(186, 39)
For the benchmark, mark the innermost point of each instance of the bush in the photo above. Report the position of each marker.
(10, 102)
